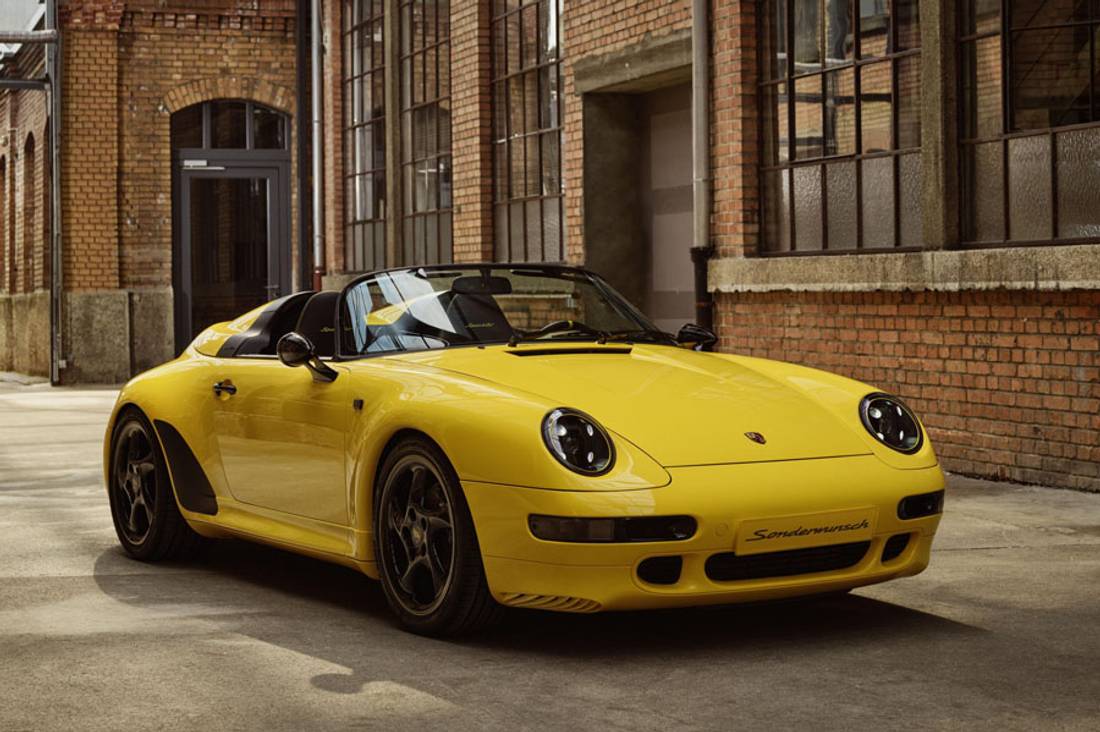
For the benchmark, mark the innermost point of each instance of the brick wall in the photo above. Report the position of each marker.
(1007, 383)
(172, 57)
(24, 256)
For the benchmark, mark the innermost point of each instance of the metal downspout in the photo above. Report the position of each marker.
(701, 248)
(53, 73)
(316, 44)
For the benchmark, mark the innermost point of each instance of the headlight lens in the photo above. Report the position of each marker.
(578, 441)
(891, 422)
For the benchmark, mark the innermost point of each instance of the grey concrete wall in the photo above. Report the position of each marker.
(97, 337)
(5, 333)
(152, 339)
(25, 333)
(613, 234)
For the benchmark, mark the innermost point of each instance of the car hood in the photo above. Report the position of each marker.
(680, 406)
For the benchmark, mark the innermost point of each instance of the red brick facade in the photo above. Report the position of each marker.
(1007, 383)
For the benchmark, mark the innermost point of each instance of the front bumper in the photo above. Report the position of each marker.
(525, 571)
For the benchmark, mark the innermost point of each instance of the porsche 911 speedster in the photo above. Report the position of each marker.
(482, 436)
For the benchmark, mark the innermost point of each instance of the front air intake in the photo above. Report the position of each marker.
(729, 567)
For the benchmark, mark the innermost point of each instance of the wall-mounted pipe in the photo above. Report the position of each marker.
(57, 274)
(701, 248)
(302, 127)
(316, 58)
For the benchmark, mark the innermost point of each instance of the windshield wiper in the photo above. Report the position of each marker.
(569, 335)
(641, 336)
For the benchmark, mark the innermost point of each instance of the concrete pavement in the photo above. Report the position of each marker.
(1002, 631)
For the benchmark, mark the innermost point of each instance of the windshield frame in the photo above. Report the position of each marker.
(563, 271)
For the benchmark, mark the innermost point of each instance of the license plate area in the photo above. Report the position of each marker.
(779, 533)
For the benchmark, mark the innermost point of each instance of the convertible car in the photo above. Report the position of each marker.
(483, 436)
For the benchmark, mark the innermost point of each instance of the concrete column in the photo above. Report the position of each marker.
(939, 124)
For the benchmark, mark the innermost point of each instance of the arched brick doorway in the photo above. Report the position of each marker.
(231, 211)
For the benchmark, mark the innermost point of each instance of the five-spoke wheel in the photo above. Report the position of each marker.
(425, 544)
(147, 520)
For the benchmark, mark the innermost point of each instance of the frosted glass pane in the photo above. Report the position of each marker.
(1079, 183)
(909, 209)
(985, 183)
(807, 208)
(1029, 188)
(878, 203)
(840, 179)
(777, 202)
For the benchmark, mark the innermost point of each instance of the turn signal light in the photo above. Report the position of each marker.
(608, 530)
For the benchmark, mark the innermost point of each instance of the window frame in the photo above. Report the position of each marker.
(440, 248)
(1003, 32)
(505, 202)
(786, 80)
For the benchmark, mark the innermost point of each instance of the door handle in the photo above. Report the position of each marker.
(225, 387)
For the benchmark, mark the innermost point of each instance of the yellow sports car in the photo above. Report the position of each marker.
(480, 436)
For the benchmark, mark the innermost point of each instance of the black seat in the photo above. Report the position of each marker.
(318, 322)
(480, 315)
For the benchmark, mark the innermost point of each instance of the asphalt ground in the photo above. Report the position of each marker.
(1001, 632)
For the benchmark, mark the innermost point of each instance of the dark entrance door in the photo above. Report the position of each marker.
(231, 210)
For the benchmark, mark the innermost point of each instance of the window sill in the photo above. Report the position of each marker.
(1020, 268)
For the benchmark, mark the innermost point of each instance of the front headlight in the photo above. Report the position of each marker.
(891, 422)
(578, 441)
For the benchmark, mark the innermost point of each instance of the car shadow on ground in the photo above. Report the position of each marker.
(264, 581)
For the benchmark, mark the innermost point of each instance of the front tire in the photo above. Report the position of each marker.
(425, 546)
(143, 505)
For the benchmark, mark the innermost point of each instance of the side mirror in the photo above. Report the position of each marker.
(697, 337)
(295, 350)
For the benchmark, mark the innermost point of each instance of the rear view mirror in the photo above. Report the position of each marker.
(696, 336)
(295, 350)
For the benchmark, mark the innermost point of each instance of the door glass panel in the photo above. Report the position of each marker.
(229, 245)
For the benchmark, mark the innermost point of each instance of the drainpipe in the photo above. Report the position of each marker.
(53, 73)
(701, 248)
(303, 126)
(318, 148)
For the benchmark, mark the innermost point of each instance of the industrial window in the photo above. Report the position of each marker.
(1030, 108)
(527, 134)
(426, 131)
(364, 71)
(840, 100)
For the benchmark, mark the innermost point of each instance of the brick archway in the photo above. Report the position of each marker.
(230, 87)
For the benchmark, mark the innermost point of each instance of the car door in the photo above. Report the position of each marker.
(282, 435)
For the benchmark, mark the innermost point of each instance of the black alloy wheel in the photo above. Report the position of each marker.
(143, 505)
(425, 545)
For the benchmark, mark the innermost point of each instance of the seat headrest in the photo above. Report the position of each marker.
(318, 322)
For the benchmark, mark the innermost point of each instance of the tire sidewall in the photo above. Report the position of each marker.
(165, 496)
(466, 569)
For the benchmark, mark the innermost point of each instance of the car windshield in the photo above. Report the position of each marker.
(416, 309)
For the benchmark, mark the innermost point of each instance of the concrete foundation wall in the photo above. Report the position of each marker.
(151, 328)
(97, 337)
(25, 333)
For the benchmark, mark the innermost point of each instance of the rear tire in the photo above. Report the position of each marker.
(425, 545)
(143, 505)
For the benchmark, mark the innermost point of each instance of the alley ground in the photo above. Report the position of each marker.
(1002, 631)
